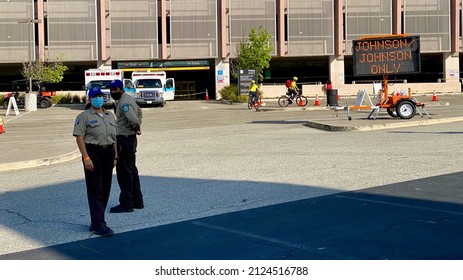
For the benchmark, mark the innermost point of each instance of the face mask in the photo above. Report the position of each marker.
(116, 95)
(97, 102)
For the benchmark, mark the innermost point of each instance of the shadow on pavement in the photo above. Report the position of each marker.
(420, 219)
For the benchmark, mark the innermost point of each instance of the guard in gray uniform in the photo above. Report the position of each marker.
(95, 130)
(128, 118)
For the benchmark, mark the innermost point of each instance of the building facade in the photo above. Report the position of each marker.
(194, 40)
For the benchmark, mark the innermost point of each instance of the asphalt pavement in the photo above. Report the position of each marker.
(41, 138)
(396, 221)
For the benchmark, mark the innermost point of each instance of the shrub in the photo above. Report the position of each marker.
(56, 99)
(230, 93)
(76, 99)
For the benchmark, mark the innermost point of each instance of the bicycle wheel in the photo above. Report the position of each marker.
(283, 101)
(301, 101)
(249, 104)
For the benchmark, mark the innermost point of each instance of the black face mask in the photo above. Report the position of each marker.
(116, 95)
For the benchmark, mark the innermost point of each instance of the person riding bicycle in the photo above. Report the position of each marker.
(253, 91)
(293, 90)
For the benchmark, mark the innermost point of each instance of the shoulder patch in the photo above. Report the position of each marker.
(125, 107)
(77, 122)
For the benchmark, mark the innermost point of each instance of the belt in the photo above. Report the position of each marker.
(102, 147)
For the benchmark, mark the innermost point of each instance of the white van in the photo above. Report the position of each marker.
(153, 87)
(101, 78)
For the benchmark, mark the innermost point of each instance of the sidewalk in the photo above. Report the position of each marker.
(42, 138)
(38, 138)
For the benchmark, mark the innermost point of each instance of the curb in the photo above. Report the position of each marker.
(328, 127)
(9, 166)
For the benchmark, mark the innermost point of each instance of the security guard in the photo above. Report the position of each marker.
(128, 116)
(95, 130)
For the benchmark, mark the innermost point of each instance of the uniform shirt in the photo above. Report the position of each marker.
(253, 88)
(128, 115)
(96, 129)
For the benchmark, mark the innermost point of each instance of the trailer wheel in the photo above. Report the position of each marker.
(392, 112)
(406, 109)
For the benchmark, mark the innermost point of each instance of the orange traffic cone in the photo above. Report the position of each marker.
(2, 130)
(317, 102)
(259, 104)
(207, 95)
(301, 104)
(434, 96)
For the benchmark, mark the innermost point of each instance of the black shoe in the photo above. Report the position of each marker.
(138, 206)
(105, 232)
(120, 209)
(93, 228)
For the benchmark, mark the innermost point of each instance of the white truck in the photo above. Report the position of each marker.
(102, 78)
(153, 87)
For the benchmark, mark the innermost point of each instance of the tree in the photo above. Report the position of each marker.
(254, 53)
(44, 71)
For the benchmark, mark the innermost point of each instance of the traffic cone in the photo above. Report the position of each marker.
(301, 104)
(207, 95)
(434, 96)
(2, 130)
(258, 103)
(317, 102)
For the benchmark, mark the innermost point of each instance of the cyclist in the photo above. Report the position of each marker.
(293, 90)
(253, 91)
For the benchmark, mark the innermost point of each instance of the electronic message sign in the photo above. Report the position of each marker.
(386, 55)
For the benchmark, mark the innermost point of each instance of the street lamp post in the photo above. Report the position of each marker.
(30, 22)
(30, 99)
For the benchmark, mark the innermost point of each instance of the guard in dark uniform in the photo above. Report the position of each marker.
(128, 118)
(95, 130)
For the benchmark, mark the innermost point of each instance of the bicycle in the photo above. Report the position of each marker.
(253, 103)
(286, 100)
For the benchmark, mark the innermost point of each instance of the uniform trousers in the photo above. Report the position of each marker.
(99, 182)
(127, 172)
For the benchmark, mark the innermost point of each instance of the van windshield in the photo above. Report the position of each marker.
(99, 84)
(148, 83)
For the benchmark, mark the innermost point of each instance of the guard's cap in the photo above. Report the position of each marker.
(116, 83)
(94, 91)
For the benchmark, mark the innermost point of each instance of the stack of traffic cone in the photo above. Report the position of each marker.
(207, 95)
(2, 130)
(434, 96)
(317, 102)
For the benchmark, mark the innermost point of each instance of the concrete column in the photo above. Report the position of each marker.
(451, 67)
(337, 70)
(397, 16)
(41, 30)
(163, 15)
(30, 102)
(223, 31)
(222, 75)
(281, 46)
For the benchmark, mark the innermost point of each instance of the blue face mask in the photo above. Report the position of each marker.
(97, 102)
